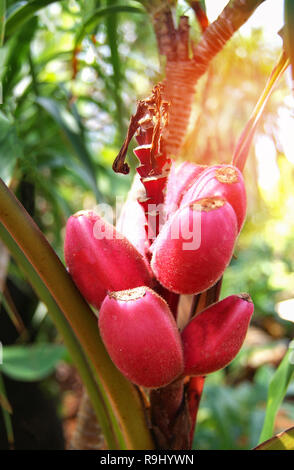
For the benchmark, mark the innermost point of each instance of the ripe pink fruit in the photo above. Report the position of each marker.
(179, 181)
(141, 337)
(225, 181)
(100, 259)
(213, 337)
(195, 246)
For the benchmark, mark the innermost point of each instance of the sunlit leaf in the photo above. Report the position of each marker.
(23, 13)
(31, 363)
(276, 393)
(243, 145)
(17, 54)
(97, 16)
(282, 441)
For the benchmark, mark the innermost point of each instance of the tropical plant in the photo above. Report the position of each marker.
(63, 83)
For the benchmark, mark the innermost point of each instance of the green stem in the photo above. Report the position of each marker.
(70, 340)
(13, 315)
(122, 394)
(7, 417)
(2, 21)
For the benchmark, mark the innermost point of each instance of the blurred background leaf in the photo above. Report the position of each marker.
(31, 363)
(10, 148)
(20, 12)
(277, 391)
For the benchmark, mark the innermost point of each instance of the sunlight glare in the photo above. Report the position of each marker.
(286, 132)
(268, 170)
(285, 309)
(269, 16)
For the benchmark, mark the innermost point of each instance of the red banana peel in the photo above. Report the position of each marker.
(100, 259)
(141, 337)
(179, 181)
(224, 181)
(195, 246)
(213, 337)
